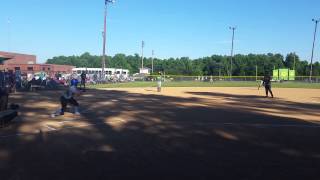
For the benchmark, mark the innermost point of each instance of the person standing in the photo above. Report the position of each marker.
(267, 84)
(159, 82)
(4, 95)
(12, 82)
(83, 81)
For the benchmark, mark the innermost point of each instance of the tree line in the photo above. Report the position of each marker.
(215, 65)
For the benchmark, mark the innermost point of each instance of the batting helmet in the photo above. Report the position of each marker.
(74, 82)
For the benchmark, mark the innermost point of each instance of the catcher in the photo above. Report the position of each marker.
(68, 98)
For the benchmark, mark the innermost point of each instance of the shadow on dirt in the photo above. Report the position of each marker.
(160, 137)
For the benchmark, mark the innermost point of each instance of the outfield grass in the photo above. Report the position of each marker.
(207, 84)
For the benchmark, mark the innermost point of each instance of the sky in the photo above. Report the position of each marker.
(172, 28)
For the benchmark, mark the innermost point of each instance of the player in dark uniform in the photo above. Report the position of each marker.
(12, 82)
(83, 81)
(4, 95)
(267, 84)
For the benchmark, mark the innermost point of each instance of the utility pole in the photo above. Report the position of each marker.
(314, 40)
(233, 30)
(105, 37)
(142, 46)
(294, 61)
(152, 60)
(256, 72)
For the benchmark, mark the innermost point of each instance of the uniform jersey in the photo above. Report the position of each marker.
(159, 78)
(267, 81)
(159, 81)
(70, 92)
(83, 76)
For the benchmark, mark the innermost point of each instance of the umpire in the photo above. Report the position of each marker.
(267, 84)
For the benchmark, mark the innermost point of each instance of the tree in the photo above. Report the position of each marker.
(291, 61)
(215, 65)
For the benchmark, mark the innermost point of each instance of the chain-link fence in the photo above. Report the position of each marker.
(177, 78)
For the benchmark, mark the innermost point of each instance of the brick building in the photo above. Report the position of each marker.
(19, 58)
(27, 64)
(4, 58)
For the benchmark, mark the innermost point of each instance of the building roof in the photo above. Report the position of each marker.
(14, 54)
(4, 58)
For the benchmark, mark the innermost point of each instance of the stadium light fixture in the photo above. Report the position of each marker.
(105, 37)
(314, 40)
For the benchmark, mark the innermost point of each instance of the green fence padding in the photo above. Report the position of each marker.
(292, 75)
(275, 75)
(284, 74)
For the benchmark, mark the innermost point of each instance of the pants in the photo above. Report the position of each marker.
(83, 84)
(268, 89)
(64, 103)
(4, 102)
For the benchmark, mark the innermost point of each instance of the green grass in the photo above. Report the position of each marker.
(207, 84)
(297, 85)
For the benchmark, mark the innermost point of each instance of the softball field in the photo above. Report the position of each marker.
(205, 133)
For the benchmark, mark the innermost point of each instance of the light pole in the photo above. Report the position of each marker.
(314, 40)
(9, 34)
(233, 29)
(152, 60)
(105, 37)
(142, 46)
